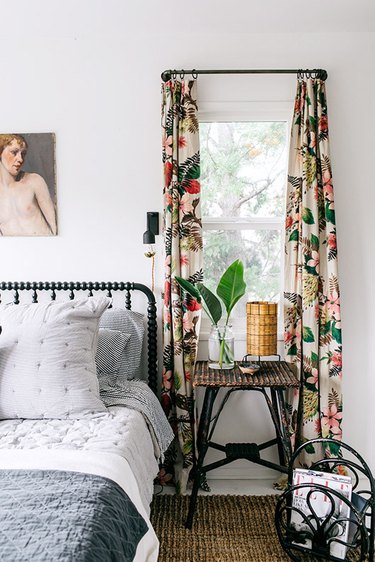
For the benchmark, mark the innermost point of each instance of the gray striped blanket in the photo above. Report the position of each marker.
(135, 394)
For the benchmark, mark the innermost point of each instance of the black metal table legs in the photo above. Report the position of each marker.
(281, 426)
(202, 446)
(233, 451)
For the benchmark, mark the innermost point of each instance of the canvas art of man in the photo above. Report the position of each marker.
(27, 185)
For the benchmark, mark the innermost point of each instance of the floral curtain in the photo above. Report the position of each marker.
(312, 297)
(183, 257)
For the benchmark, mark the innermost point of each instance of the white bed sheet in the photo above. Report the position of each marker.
(108, 465)
(121, 431)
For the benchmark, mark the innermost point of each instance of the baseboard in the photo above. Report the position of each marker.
(243, 473)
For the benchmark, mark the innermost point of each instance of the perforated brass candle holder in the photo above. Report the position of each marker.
(261, 328)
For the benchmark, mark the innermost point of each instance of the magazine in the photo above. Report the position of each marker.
(321, 504)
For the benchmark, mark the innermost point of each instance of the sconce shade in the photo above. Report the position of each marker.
(148, 237)
(152, 227)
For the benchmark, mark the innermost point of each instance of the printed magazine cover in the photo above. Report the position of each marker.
(321, 504)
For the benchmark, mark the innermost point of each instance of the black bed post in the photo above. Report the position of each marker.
(152, 338)
(152, 347)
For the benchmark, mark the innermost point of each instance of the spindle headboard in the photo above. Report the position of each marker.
(73, 286)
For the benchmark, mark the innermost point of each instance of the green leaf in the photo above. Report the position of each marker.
(307, 216)
(189, 288)
(294, 236)
(336, 333)
(334, 449)
(312, 121)
(308, 336)
(310, 449)
(314, 242)
(325, 328)
(314, 359)
(190, 168)
(211, 301)
(330, 214)
(293, 349)
(194, 172)
(232, 285)
(187, 446)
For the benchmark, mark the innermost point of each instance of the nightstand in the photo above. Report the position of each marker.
(272, 379)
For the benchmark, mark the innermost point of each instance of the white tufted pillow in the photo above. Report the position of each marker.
(47, 359)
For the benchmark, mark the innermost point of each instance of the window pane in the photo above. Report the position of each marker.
(243, 168)
(260, 251)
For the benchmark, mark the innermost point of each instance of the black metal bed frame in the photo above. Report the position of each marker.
(109, 286)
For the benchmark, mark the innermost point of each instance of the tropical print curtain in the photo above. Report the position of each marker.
(312, 296)
(183, 257)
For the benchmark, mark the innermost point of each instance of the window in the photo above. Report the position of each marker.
(243, 179)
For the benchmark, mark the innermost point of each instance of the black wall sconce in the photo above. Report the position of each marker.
(152, 227)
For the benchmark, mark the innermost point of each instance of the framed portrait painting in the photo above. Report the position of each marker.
(28, 205)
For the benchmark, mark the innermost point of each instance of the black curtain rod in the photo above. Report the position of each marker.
(314, 73)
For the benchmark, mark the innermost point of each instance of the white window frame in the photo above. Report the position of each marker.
(222, 112)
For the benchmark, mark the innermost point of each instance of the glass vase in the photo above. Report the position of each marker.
(221, 347)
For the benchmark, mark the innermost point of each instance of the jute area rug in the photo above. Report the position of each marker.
(225, 529)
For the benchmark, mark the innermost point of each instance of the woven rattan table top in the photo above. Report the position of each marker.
(271, 374)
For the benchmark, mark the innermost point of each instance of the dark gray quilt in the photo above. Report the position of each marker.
(48, 515)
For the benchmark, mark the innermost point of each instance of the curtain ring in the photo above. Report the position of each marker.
(182, 74)
(174, 75)
(194, 74)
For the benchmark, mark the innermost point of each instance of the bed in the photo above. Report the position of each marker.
(81, 431)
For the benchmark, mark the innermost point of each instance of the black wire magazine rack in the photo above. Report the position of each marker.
(327, 511)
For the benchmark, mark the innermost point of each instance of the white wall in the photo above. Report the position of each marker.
(90, 72)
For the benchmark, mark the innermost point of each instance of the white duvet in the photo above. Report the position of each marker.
(116, 444)
(121, 431)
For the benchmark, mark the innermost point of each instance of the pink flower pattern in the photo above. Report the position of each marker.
(168, 145)
(180, 144)
(314, 260)
(311, 275)
(334, 305)
(314, 378)
(330, 421)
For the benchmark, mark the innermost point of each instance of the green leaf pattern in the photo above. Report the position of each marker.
(312, 296)
(183, 251)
